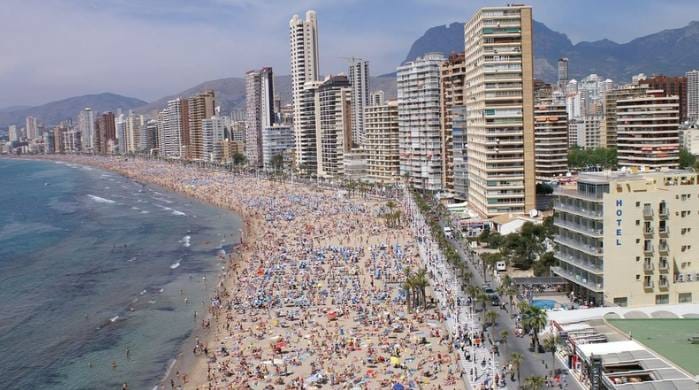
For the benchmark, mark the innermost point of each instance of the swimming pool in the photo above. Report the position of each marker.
(547, 304)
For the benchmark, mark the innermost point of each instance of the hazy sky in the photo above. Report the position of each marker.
(53, 49)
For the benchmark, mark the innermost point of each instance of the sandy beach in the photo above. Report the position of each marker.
(314, 295)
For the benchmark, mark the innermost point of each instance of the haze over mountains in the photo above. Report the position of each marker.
(670, 52)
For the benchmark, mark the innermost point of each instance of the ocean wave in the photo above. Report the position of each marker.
(99, 199)
(17, 229)
(177, 212)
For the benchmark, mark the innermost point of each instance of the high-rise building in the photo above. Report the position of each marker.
(259, 103)
(499, 101)
(277, 140)
(306, 150)
(212, 135)
(693, 95)
(105, 133)
(120, 123)
(303, 41)
(173, 129)
(86, 125)
(32, 127)
(550, 139)
(201, 106)
(648, 131)
(614, 242)
(381, 142)
(59, 139)
(238, 131)
(376, 98)
(460, 153)
(333, 125)
(562, 72)
(420, 127)
(589, 131)
(452, 72)
(133, 125)
(359, 79)
(13, 133)
(148, 137)
(609, 136)
(672, 86)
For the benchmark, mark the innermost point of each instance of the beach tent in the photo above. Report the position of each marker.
(332, 315)
(395, 361)
(398, 386)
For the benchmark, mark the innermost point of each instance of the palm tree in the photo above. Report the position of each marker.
(482, 298)
(408, 286)
(511, 292)
(421, 283)
(490, 316)
(535, 319)
(534, 383)
(550, 344)
(503, 336)
(516, 359)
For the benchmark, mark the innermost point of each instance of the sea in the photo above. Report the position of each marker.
(100, 276)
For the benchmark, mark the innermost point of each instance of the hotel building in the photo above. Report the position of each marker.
(381, 142)
(630, 239)
(550, 139)
(499, 100)
(452, 72)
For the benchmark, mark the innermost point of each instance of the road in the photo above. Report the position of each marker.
(533, 363)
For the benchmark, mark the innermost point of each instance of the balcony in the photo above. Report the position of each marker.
(580, 211)
(664, 283)
(648, 284)
(648, 232)
(647, 213)
(664, 265)
(648, 249)
(648, 266)
(663, 248)
(580, 263)
(664, 231)
(589, 249)
(581, 229)
(578, 279)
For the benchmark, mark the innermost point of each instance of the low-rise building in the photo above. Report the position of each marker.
(629, 239)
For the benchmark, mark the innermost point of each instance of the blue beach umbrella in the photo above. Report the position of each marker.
(398, 386)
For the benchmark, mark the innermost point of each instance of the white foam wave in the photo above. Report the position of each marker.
(177, 212)
(99, 199)
(175, 266)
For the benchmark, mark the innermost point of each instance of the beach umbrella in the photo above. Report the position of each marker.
(398, 386)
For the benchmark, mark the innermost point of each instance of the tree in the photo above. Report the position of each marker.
(516, 359)
(503, 336)
(490, 316)
(421, 282)
(550, 344)
(544, 189)
(239, 158)
(277, 162)
(687, 160)
(535, 319)
(534, 383)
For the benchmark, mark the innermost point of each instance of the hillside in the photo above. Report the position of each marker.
(54, 112)
(670, 52)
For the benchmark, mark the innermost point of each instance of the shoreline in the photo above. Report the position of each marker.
(324, 223)
(195, 367)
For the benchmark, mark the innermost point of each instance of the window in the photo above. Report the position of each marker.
(622, 301)
(638, 204)
(662, 299)
(638, 222)
(638, 258)
(684, 298)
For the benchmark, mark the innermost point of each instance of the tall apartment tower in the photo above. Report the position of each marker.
(259, 104)
(693, 95)
(306, 151)
(609, 128)
(201, 106)
(105, 130)
(86, 125)
(452, 87)
(648, 131)
(333, 125)
(550, 139)
(303, 41)
(381, 142)
(359, 79)
(562, 73)
(676, 86)
(419, 123)
(499, 101)
(212, 130)
(173, 129)
(32, 127)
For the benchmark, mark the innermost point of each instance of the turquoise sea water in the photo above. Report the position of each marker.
(93, 264)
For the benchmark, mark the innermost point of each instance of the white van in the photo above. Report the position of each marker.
(501, 266)
(448, 232)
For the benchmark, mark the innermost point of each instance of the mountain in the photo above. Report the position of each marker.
(670, 52)
(54, 112)
(230, 92)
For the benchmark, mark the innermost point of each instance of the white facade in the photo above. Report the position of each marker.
(381, 142)
(306, 153)
(276, 140)
(120, 124)
(134, 124)
(12, 132)
(32, 127)
(693, 95)
(86, 125)
(259, 98)
(588, 131)
(303, 41)
(333, 125)
(359, 79)
(212, 134)
(169, 131)
(419, 121)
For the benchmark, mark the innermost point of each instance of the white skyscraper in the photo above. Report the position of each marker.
(14, 135)
(276, 140)
(212, 134)
(359, 79)
(86, 125)
(693, 95)
(121, 133)
(134, 123)
(333, 125)
(259, 101)
(420, 141)
(303, 41)
(170, 129)
(32, 127)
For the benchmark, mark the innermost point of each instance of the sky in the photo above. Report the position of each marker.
(53, 49)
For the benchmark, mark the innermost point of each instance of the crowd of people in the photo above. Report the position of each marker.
(315, 293)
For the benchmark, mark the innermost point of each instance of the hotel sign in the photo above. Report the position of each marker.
(619, 213)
